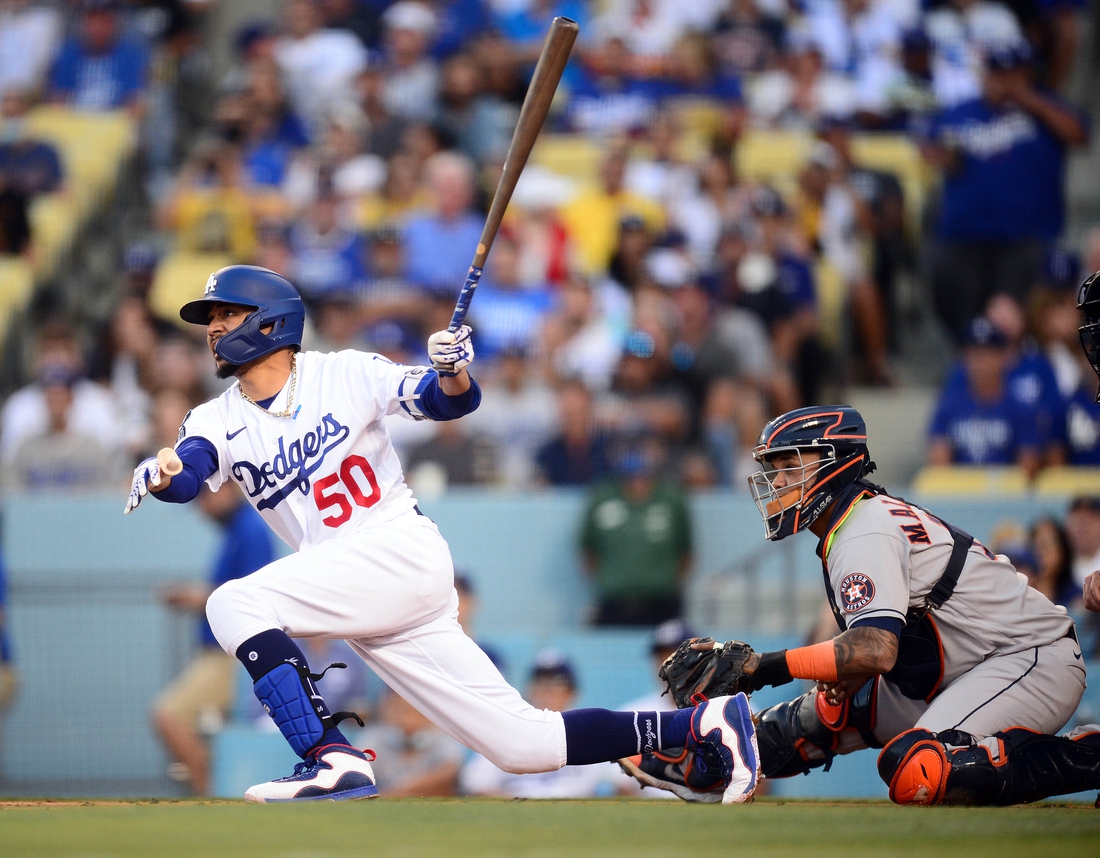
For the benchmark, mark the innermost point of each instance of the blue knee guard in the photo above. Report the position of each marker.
(284, 696)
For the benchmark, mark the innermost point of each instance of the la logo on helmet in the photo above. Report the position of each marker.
(211, 282)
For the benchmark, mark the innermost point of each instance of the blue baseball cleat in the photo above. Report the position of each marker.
(720, 762)
(666, 770)
(723, 737)
(329, 773)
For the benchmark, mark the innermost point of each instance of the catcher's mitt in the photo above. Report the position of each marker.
(708, 672)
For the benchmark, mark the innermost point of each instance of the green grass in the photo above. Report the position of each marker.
(606, 828)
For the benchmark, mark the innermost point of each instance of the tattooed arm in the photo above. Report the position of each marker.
(864, 651)
(849, 659)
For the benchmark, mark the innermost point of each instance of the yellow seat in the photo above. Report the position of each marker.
(92, 147)
(180, 278)
(832, 299)
(1068, 481)
(1004, 481)
(54, 221)
(16, 284)
(700, 121)
(569, 155)
(898, 154)
(772, 157)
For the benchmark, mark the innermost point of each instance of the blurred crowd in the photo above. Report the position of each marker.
(662, 308)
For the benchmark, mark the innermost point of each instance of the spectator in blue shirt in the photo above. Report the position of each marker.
(979, 423)
(1029, 379)
(201, 697)
(325, 256)
(28, 167)
(9, 679)
(99, 69)
(608, 98)
(26, 163)
(578, 455)
(438, 246)
(1082, 419)
(507, 314)
(1003, 157)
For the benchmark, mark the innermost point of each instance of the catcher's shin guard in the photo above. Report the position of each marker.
(921, 767)
(805, 733)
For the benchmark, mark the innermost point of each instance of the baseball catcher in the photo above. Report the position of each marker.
(945, 658)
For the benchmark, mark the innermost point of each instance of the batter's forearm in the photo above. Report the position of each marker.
(200, 461)
(455, 385)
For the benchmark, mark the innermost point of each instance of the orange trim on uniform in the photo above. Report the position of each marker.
(813, 662)
(939, 651)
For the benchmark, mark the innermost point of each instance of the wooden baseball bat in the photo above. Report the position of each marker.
(536, 104)
(169, 462)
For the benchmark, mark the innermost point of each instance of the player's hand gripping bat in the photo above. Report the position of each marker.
(150, 473)
(544, 82)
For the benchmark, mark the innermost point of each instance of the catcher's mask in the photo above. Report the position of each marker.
(1088, 302)
(793, 489)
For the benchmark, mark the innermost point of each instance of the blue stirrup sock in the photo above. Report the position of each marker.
(284, 685)
(600, 735)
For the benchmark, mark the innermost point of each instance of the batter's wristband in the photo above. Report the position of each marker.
(816, 662)
(772, 670)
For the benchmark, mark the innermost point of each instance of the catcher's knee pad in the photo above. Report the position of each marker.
(1011, 767)
(915, 767)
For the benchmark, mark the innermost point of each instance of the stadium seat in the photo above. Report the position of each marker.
(180, 278)
(569, 155)
(832, 301)
(16, 283)
(772, 157)
(54, 221)
(898, 154)
(700, 120)
(969, 480)
(1068, 481)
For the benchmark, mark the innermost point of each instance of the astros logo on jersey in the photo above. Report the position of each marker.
(856, 591)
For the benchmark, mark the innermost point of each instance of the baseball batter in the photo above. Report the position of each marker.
(946, 658)
(301, 434)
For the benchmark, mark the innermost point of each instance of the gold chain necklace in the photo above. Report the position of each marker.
(290, 394)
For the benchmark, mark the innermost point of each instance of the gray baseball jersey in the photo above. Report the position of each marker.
(883, 556)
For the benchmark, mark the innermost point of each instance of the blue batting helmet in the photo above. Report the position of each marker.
(839, 434)
(273, 298)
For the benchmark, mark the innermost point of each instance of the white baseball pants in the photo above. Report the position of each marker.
(388, 590)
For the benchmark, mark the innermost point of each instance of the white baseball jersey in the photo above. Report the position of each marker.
(328, 468)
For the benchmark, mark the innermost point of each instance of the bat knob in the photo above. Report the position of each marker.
(169, 462)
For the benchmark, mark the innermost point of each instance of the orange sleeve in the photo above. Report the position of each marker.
(813, 662)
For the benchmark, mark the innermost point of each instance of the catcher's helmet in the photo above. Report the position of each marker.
(839, 434)
(1088, 302)
(276, 303)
